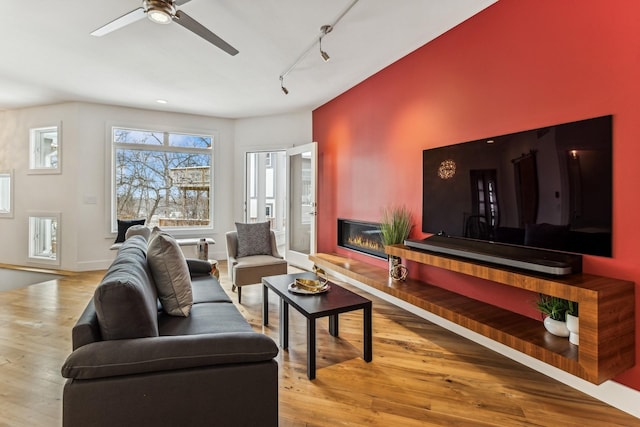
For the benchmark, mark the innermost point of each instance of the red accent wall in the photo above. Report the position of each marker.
(519, 64)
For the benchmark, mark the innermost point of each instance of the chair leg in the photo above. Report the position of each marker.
(239, 295)
(233, 288)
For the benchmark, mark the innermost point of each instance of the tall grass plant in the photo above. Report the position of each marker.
(395, 225)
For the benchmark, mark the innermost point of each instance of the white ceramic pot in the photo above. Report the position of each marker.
(574, 329)
(556, 327)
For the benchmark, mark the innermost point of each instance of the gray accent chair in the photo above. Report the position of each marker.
(250, 270)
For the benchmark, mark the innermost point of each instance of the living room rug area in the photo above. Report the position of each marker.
(14, 279)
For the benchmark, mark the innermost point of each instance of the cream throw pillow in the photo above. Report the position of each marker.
(171, 274)
(138, 230)
(154, 233)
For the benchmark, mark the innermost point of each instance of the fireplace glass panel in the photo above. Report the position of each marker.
(361, 236)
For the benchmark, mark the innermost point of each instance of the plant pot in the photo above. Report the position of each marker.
(394, 262)
(574, 328)
(397, 271)
(556, 327)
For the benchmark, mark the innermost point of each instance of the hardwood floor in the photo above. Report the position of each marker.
(421, 374)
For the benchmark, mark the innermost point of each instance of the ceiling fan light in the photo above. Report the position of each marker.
(158, 16)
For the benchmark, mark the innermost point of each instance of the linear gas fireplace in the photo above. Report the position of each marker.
(361, 236)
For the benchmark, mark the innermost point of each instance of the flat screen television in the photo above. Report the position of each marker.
(547, 188)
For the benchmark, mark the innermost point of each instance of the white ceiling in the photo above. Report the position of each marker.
(47, 55)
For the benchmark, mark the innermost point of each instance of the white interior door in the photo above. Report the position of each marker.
(300, 232)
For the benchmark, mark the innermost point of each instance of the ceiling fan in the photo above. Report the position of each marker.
(165, 12)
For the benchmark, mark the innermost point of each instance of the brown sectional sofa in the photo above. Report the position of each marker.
(134, 365)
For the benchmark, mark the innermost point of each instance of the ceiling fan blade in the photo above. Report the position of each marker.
(192, 25)
(116, 24)
(180, 2)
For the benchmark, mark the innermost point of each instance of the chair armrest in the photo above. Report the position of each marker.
(274, 246)
(231, 262)
(198, 267)
(143, 355)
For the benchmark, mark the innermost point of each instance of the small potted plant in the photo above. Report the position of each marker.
(572, 322)
(394, 229)
(555, 310)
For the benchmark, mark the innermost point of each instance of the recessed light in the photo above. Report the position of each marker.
(161, 101)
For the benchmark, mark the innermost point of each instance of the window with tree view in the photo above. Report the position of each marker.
(163, 177)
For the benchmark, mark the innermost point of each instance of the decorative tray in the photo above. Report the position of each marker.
(308, 287)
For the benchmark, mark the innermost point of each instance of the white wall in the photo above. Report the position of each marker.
(94, 123)
(81, 192)
(37, 193)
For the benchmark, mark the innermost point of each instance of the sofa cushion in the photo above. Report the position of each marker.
(123, 226)
(199, 267)
(171, 274)
(126, 299)
(205, 318)
(207, 289)
(253, 239)
(252, 269)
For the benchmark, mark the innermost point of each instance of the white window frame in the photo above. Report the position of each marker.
(35, 220)
(6, 193)
(36, 136)
(112, 146)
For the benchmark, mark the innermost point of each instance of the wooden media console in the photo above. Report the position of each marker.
(607, 310)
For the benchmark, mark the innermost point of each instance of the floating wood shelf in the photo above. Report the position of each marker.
(607, 310)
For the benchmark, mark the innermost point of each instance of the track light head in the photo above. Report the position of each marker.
(284, 89)
(325, 56)
(325, 29)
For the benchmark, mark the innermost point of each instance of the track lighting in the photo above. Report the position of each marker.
(284, 89)
(325, 56)
(325, 29)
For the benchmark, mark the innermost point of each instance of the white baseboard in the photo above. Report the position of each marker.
(615, 394)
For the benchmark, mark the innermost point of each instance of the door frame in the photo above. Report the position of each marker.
(297, 258)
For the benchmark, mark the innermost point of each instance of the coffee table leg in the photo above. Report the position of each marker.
(284, 324)
(368, 332)
(265, 305)
(333, 325)
(311, 348)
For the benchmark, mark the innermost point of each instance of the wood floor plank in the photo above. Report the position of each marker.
(421, 374)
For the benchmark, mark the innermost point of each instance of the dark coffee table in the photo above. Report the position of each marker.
(331, 303)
